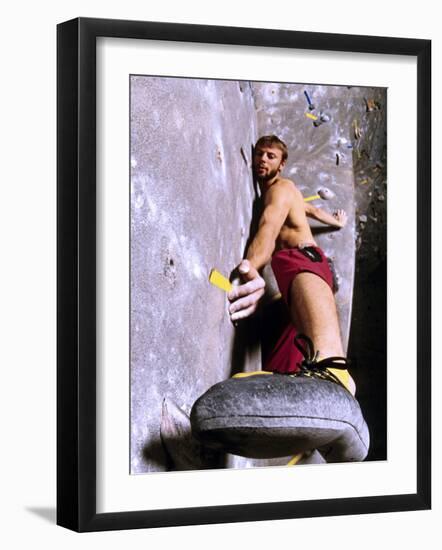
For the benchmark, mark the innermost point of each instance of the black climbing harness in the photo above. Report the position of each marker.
(311, 253)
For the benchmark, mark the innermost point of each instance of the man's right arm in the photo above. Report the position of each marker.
(278, 201)
(245, 297)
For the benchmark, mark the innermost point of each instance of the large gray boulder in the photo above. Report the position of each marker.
(273, 415)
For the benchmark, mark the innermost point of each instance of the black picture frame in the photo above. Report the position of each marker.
(77, 288)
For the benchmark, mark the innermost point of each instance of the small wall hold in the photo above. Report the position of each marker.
(325, 193)
(311, 116)
(219, 155)
(323, 117)
(337, 159)
(311, 106)
(344, 141)
(217, 279)
(311, 198)
(381, 198)
(356, 129)
(335, 274)
(322, 193)
(372, 105)
(169, 271)
(244, 156)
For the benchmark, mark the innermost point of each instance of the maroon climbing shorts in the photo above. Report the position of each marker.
(289, 262)
(286, 264)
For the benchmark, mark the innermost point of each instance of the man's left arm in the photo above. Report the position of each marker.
(337, 219)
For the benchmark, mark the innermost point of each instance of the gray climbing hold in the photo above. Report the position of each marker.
(325, 193)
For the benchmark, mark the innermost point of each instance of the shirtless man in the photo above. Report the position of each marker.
(284, 237)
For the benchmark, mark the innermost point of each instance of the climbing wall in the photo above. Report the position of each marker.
(192, 196)
(194, 206)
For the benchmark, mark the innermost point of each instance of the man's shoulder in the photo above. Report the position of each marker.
(288, 186)
(285, 183)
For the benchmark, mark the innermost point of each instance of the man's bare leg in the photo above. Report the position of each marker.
(313, 311)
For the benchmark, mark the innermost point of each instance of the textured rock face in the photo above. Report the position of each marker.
(193, 201)
(191, 204)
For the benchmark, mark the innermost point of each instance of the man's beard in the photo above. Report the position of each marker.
(267, 177)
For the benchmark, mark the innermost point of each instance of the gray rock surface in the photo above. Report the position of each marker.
(191, 206)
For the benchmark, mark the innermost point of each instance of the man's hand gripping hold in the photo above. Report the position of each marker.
(245, 297)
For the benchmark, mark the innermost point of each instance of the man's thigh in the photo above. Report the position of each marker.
(313, 307)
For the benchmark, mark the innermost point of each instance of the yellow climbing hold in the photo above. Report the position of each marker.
(309, 115)
(220, 281)
(312, 198)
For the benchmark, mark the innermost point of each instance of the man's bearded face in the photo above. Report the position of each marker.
(267, 162)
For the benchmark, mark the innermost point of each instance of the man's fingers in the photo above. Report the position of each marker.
(245, 297)
(249, 300)
(341, 216)
(239, 291)
(243, 313)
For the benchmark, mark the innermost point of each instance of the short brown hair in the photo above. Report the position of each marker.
(273, 141)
